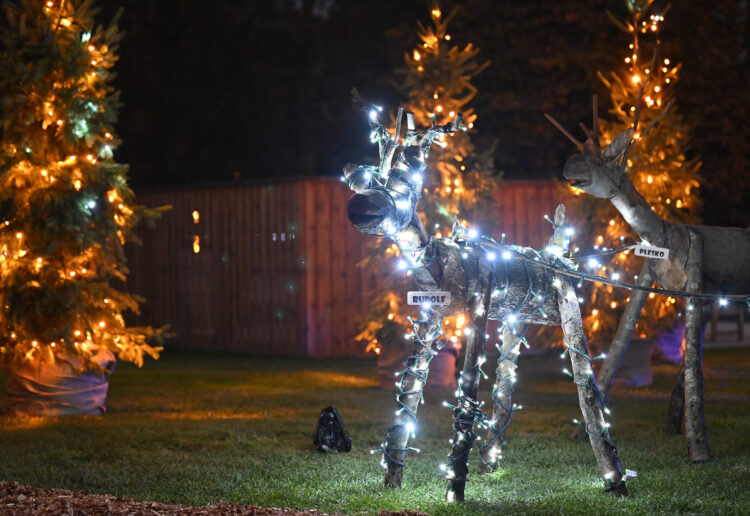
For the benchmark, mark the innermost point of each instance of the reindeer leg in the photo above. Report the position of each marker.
(468, 410)
(621, 341)
(413, 379)
(589, 397)
(676, 410)
(502, 413)
(695, 422)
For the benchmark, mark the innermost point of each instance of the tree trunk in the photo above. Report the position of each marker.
(621, 341)
(411, 385)
(589, 397)
(502, 413)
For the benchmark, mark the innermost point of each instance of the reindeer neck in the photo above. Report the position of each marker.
(638, 213)
(410, 238)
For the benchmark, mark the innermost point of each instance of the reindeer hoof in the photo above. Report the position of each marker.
(393, 478)
(618, 490)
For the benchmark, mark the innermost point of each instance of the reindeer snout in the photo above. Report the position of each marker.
(576, 171)
(372, 212)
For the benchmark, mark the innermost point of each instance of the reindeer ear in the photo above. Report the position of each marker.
(615, 149)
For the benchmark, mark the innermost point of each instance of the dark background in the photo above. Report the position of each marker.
(242, 90)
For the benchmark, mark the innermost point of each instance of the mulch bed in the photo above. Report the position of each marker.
(27, 500)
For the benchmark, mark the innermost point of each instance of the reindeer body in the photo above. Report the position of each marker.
(487, 280)
(520, 288)
(726, 251)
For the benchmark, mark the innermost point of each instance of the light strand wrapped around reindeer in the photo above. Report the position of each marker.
(486, 280)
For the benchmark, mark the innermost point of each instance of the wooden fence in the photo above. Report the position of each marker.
(271, 268)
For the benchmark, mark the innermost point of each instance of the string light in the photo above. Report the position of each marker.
(80, 130)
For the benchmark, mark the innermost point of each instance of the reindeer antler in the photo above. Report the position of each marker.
(564, 131)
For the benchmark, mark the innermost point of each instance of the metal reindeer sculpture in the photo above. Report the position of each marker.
(703, 263)
(485, 280)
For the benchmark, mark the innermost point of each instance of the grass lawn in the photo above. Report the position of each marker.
(196, 428)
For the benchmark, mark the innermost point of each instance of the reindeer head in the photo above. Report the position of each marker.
(386, 196)
(594, 171)
(599, 175)
(385, 203)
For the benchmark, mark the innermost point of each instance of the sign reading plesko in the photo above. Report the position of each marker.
(431, 297)
(660, 253)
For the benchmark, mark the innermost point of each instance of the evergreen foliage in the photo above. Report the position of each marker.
(65, 206)
(459, 181)
(657, 166)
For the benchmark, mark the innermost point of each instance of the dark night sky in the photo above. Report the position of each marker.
(220, 91)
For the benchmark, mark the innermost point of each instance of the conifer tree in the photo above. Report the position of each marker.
(657, 166)
(460, 181)
(65, 206)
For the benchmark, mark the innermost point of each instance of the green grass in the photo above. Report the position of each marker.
(198, 428)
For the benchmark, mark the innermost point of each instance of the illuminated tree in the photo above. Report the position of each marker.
(65, 206)
(459, 182)
(656, 165)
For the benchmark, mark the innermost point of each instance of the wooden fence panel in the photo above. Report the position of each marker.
(276, 272)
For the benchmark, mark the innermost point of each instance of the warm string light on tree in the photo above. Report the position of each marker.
(657, 166)
(65, 208)
(437, 79)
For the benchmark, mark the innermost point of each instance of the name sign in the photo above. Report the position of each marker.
(434, 297)
(660, 253)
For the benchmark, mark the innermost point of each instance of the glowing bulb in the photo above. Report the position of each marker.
(506, 255)
(491, 256)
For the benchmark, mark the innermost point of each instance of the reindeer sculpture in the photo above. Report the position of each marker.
(486, 280)
(703, 263)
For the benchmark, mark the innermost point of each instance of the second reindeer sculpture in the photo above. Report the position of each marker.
(703, 263)
(485, 280)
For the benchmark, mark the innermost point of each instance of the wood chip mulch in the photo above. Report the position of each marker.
(16, 499)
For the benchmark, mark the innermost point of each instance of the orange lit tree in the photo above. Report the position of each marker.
(656, 165)
(65, 206)
(460, 183)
